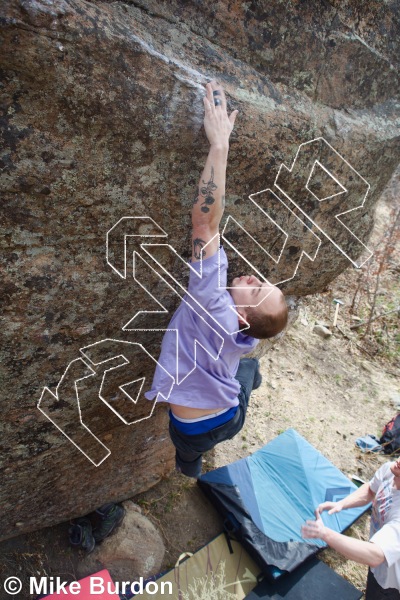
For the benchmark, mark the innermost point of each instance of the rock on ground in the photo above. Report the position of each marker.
(134, 549)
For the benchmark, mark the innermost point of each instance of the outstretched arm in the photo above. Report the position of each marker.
(208, 206)
(360, 497)
(366, 553)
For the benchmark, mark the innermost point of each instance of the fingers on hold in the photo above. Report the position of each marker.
(216, 86)
(209, 93)
(232, 116)
(207, 104)
(218, 90)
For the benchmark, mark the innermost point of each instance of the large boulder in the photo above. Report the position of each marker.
(103, 142)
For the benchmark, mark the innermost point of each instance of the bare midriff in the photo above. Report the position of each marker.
(186, 412)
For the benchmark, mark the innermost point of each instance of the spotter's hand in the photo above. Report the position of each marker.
(314, 529)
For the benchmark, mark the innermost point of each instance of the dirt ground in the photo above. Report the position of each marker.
(330, 390)
(322, 388)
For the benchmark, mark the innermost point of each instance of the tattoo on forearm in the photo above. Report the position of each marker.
(223, 202)
(207, 193)
(198, 245)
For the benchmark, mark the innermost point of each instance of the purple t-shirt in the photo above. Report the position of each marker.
(202, 346)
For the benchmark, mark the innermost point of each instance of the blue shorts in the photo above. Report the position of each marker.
(204, 424)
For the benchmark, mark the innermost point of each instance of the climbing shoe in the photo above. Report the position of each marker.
(80, 534)
(105, 519)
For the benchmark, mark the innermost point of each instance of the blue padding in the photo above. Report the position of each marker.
(281, 488)
(281, 485)
(290, 478)
(238, 474)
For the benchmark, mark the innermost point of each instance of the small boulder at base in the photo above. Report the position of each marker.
(134, 549)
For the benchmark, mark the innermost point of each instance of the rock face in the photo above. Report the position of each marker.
(102, 133)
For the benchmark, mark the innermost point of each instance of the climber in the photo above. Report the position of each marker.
(209, 404)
